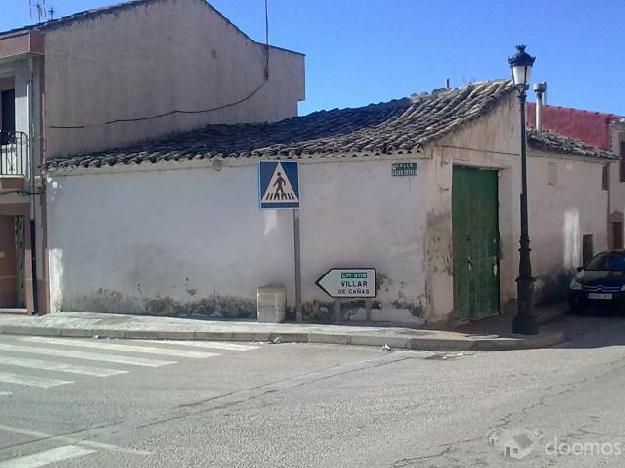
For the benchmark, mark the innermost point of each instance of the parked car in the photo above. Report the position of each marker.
(601, 281)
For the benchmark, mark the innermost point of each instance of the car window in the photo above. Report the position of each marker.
(608, 261)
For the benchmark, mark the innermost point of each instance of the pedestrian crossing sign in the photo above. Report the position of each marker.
(278, 184)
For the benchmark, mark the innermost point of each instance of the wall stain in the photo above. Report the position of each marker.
(416, 309)
(383, 282)
(214, 306)
(551, 288)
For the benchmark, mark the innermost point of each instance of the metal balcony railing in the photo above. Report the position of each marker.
(13, 153)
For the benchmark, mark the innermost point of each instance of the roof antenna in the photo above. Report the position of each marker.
(38, 9)
(51, 13)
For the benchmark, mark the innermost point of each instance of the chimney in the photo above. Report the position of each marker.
(447, 84)
(539, 89)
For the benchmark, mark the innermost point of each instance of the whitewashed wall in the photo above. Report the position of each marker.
(171, 238)
(617, 188)
(565, 202)
(559, 213)
(158, 240)
(151, 59)
(491, 142)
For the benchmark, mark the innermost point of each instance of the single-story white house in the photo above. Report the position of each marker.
(173, 226)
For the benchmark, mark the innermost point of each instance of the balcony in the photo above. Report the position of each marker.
(13, 154)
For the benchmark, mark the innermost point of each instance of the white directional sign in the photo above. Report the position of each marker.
(349, 282)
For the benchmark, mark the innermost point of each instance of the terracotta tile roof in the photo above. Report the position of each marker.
(587, 126)
(550, 141)
(399, 126)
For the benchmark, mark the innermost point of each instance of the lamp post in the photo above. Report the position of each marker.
(524, 321)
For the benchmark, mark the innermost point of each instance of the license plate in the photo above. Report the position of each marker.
(599, 296)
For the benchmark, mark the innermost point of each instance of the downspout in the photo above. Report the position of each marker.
(609, 230)
(31, 183)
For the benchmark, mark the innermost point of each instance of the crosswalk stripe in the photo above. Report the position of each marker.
(72, 440)
(30, 381)
(47, 457)
(131, 360)
(206, 344)
(59, 366)
(121, 347)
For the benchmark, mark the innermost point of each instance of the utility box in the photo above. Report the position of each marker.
(271, 304)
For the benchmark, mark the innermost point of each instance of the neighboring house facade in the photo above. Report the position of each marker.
(111, 77)
(20, 157)
(172, 226)
(605, 131)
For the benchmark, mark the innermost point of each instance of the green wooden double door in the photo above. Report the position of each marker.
(475, 220)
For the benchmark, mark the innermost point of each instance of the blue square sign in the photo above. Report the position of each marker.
(278, 184)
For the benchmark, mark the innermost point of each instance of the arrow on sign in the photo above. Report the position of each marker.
(349, 282)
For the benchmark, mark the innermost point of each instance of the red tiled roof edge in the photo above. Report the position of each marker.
(588, 126)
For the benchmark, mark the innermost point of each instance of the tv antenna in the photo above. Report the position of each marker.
(39, 10)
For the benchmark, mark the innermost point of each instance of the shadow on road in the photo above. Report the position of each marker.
(595, 328)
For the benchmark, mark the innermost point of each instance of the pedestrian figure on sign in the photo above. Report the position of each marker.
(280, 190)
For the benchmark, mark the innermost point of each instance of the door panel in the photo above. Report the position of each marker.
(475, 243)
(8, 263)
(461, 221)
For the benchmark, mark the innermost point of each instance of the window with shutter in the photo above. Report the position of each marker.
(7, 109)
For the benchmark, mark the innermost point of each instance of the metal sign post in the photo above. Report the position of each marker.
(278, 188)
(298, 267)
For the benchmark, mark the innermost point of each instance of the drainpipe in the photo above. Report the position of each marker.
(31, 184)
(539, 89)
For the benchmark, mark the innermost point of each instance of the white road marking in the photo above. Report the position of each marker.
(72, 440)
(134, 361)
(30, 381)
(47, 457)
(121, 347)
(6, 393)
(206, 344)
(59, 366)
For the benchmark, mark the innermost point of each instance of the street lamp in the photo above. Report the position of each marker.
(524, 321)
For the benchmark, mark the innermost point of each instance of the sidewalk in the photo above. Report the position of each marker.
(89, 325)
(501, 324)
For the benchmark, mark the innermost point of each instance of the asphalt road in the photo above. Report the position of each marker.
(88, 403)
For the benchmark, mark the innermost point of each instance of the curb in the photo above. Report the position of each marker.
(395, 342)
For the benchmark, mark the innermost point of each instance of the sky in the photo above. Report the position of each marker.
(363, 51)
